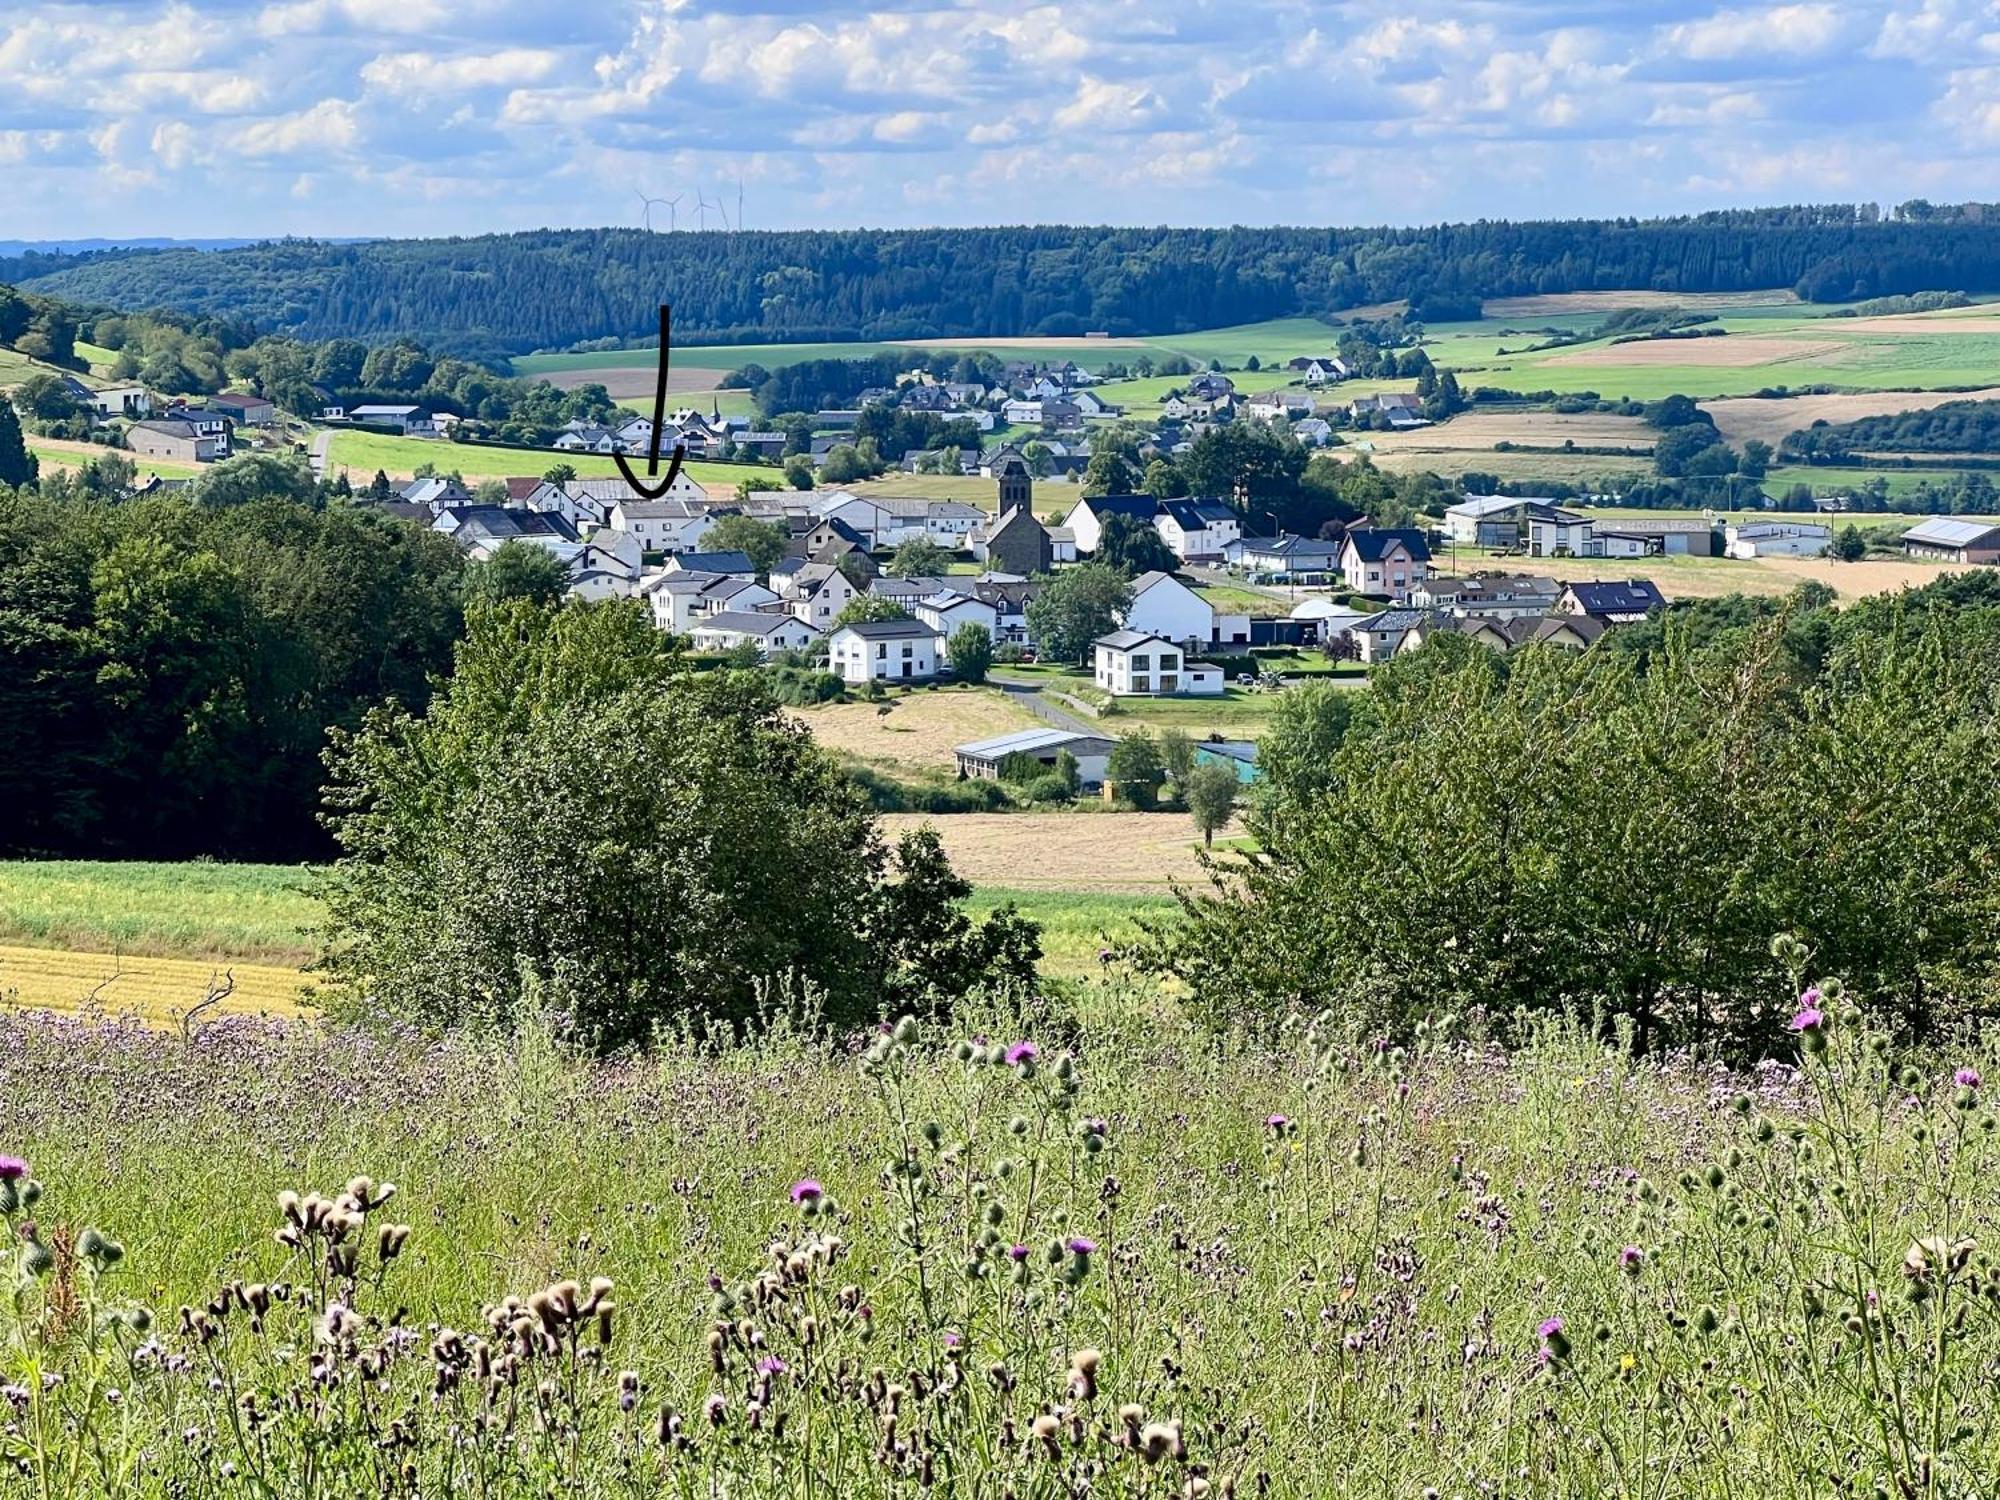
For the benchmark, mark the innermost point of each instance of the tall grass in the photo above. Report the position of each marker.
(1334, 1268)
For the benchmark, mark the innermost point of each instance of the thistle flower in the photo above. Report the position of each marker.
(1017, 1252)
(1555, 1343)
(1630, 1259)
(12, 1168)
(1810, 1017)
(1279, 1125)
(1082, 1246)
(805, 1190)
(1967, 1078)
(770, 1364)
(1022, 1052)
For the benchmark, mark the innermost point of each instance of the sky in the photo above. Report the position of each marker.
(222, 118)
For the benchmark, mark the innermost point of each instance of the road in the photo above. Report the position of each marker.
(1029, 696)
(317, 457)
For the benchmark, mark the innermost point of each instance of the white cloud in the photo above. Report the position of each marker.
(328, 127)
(420, 73)
(1780, 30)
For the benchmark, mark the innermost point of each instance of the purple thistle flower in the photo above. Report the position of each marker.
(952, 1340)
(1550, 1328)
(12, 1168)
(805, 1190)
(1966, 1078)
(1810, 998)
(1809, 1019)
(1022, 1052)
(1277, 1124)
(1631, 1258)
(1082, 1246)
(1017, 1252)
(770, 1364)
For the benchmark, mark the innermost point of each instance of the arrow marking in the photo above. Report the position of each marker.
(639, 486)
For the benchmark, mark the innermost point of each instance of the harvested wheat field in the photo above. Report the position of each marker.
(1130, 853)
(1533, 429)
(916, 732)
(1555, 304)
(1733, 352)
(1774, 418)
(158, 990)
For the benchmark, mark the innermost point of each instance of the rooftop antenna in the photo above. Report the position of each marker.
(648, 203)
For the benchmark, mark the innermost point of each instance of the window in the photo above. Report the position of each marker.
(1141, 663)
(1169, 662)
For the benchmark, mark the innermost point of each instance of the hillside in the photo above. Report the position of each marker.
(507, 294)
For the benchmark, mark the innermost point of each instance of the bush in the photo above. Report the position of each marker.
(582, 819)
(1048, 788)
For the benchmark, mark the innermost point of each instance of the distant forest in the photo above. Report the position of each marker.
(498, 295)
(1956, 427)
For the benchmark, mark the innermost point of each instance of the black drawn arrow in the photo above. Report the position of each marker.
(641, 487)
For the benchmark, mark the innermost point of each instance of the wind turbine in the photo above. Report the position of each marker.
(673, 207)
(648, 203)
(739, 203)
(701, 209)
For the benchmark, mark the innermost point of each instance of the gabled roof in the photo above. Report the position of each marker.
(1152, 580)
(501, 524)
(1374, 543)
(1624, 597)
(749, 622)
(891, 630)
(1392, 620)
(1555, 625)
(1138, 507)
(1026, 741)
(1127, 640)
(715, 562)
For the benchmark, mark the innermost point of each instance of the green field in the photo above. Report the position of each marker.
(69, 457)
(362, 453)
(263, 914)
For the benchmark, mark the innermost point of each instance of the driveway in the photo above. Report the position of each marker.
(1029, 696)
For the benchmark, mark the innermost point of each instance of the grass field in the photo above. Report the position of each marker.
(1239, 713)
(1713, 577)
(1075, 852)
(361, 454)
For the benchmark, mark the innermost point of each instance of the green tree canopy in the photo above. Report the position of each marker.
(1077, 606)
(517, 570)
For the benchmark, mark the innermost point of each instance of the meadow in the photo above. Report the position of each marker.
(361, 454)
(1100, 1253)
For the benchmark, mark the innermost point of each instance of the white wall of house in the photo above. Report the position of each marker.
(821, 608)
(1395, 574)
(946, 617)
(1172, 610)
(858, 659)
(1149, 668)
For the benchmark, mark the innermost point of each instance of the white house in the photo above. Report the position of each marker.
(1134, 662)
(1777, 539)
(1384, 560)
(945, 613)
(122, 401)
(767, 631)
(817, 593)
(1564, 533)
(1022, 413)
(680, 601)
(1164, 606)
(1197, 528)
(884, 651)
(675, 523)
(1381, 636)
(1087, 517)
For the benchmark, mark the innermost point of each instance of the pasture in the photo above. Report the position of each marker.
(361, 454)
(1774, 418)
(1714, 577)
(915, 732)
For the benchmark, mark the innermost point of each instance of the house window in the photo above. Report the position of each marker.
(1169, 662)
(1141, 663)
(1141, 685)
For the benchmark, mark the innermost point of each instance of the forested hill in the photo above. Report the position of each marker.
(505, 294)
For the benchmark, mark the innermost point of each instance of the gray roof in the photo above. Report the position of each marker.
(748, 622)
(1029, 740)
(1948, 531)
(891, 630)
(716, 562)
(1392, 620)
(1126, 640)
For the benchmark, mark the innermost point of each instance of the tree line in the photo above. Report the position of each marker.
(493, 296)
(1629, 828)
(1955, 427)
(170, 668)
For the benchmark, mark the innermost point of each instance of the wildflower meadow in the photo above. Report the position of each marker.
(1038, 1250)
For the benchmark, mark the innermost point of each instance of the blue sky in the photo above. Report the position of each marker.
(362, 117)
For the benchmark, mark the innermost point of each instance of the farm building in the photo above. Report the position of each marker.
(167, 438)
(982, 759)
(244, 409)
(410, 421)
(1778, 539)
(1494, 520)
(1668, 536)
(1955, 539)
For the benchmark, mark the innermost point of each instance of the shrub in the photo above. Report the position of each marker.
(1049, 788)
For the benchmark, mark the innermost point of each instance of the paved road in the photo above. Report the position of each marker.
(317, 457)
(1029, 696)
